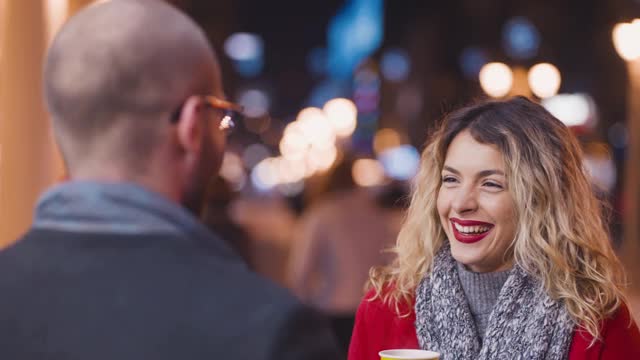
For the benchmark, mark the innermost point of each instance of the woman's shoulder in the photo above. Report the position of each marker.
(381, 304)
(380, 324)
(619, 338)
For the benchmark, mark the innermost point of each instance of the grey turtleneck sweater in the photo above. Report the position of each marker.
(482, 291)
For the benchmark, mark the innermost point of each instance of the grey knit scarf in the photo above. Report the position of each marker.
(525, 322)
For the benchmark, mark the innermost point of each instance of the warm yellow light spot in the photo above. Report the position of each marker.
(367, 172)
(496, 79)
(544, 80)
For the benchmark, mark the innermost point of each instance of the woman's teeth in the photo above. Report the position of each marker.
(471, 229)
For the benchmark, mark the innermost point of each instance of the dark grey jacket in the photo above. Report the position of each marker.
(79, 296)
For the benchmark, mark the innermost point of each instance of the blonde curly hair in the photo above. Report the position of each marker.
(561, 237)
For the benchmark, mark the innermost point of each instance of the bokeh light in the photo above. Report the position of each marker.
(520, 38)
(544, 80)
(246, 50)
(342, 115)
(625, 39)
(243, 46)
(571, 109)
(395, 65)
(367, 172)
(385, 139)
(353, 34)
(316, 127)
(255, 102)
(366, 89)
(291, 171)
(320, 160)
(496, 79)
(401, 162)
(294, 143)
(264, 176)
(232, 170)
(472, 59)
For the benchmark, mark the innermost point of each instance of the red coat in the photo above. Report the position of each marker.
(378, 327)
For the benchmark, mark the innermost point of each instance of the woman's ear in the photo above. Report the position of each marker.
(189, 126)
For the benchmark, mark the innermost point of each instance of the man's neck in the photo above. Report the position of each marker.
(154, 184)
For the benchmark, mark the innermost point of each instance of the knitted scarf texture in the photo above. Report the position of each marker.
(525, 322)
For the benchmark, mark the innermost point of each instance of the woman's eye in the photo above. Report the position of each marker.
(448, 179)
(493, 185)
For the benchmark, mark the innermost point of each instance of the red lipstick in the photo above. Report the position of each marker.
(469, 238)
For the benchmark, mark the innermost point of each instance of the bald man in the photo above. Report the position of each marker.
(116, 265)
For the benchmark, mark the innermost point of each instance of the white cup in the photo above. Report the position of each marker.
(408, 354)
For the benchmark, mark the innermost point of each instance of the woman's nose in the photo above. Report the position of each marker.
(465, 200)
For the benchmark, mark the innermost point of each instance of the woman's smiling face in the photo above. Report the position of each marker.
(476, 209)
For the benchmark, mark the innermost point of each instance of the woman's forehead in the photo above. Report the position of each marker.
(468, 153)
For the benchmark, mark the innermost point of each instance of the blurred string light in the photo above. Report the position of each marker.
(255, 102)
(625, 39)
(342, 115)
(316, 128)
(367, 172)
(312, 136)
(232, 170)
(544, 80)
(354, 34)
(290, 171)
(294, 143)
(395, 65)
(319, 160)
(401, 162)
(279, 173)
(520, 38)
(246, 50)
(572, 109)
(472, 59)
(496, 79)
(308, 146)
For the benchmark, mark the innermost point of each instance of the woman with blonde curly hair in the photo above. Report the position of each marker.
(504, 253)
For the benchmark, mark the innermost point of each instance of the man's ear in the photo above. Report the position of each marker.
(190, 127)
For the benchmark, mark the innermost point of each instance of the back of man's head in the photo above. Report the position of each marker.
(114, 75)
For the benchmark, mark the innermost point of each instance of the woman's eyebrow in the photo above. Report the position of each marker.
(482, 173)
